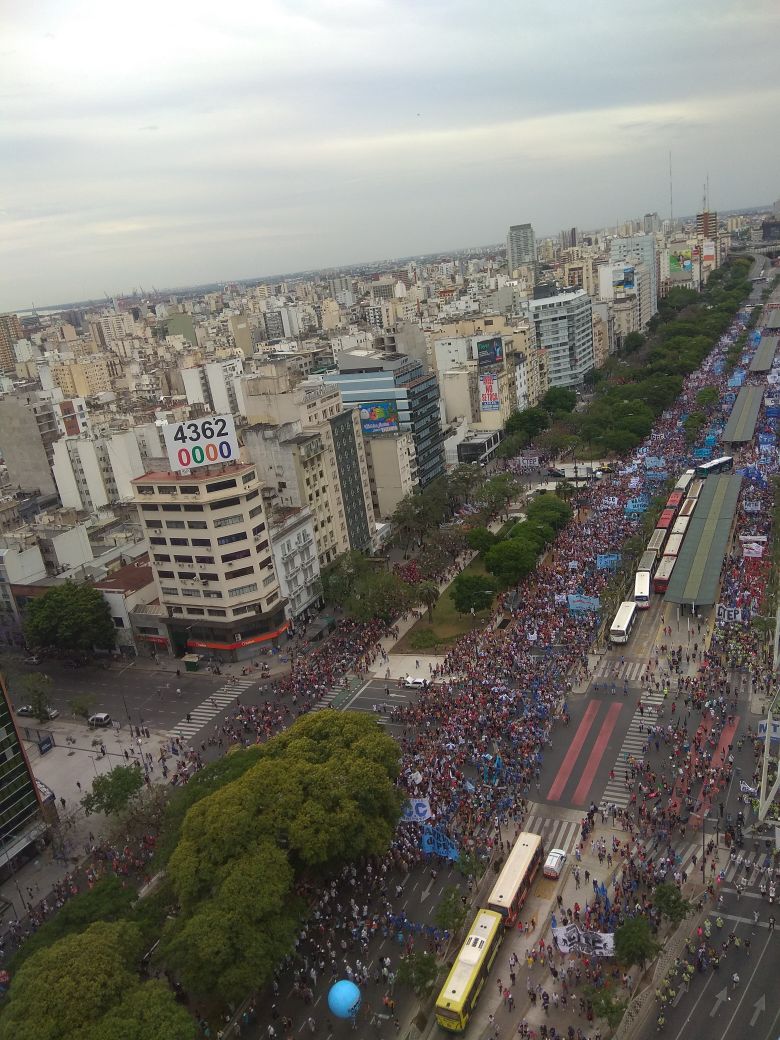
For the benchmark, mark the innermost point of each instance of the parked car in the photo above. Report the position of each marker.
(101, 718)
(29, 712)
(33, 659)
(553, 471)
(412, 682)
(554, 863)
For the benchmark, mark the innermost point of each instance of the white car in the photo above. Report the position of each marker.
(102, 718)
(553, 865)
(412, 682)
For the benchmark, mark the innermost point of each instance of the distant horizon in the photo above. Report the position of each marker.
(99, 302)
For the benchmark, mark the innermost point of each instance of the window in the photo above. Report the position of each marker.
(169, 592)
(226, 502)
(247, 477)
(258, 529)
(166, 489)
(252, 495)
(161, 558)
(272, 597)
(183, 559)
(166, 508)
(241, 572)
(207, 594)
(177, 525)
(146, 491)
(190, 592)
(267, 562)
(148, 509)
(191, 507)
(204, 559)
(209, 576)
(255, 512)
(158, 541)
(201, 541)
(199, 611)
(246, 609)
(154, 525)
(216, 612)
(196, 525)
(226, 521)
(165, 574)
(226, 539)
(119, 622)
(220, 485)
(243, 590)
(262, 546)
(239, 554)
(188, 489)
(179, 541)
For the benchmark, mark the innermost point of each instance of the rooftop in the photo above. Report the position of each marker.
(206, 473)
(130, 578)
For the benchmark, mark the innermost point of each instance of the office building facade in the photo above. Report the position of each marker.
(564, 329)
(520, 247)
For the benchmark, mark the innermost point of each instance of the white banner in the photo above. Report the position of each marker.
(745, 788)
(752, 505)
(571, 939)
(752, 538)
(752, 550)
(726, 614)
(416, 810)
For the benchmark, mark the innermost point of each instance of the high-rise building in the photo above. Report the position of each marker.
(28, 431)
(211, 556)
(93, 472)
(393, 392)
(564, 328)
(707, 224)
(22, 822)
(520, 247)
(10, 332)
(639, 249)
(651, 223)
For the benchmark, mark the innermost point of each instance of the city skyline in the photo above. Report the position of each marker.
(178, 148)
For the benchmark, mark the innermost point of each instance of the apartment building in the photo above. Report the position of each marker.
(564, 329)
(295, 555)
(28, 431)
(10, 332)
(212, 561)
(92, 472)
(215, 385)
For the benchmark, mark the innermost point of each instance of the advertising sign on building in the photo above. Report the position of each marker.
(379, 417)
(680, 261)
(623, 278)
(490, 351)
(201, 442)
(488, 394)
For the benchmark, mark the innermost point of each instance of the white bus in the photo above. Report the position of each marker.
(516, 877)
(642, 590)
(624, 622)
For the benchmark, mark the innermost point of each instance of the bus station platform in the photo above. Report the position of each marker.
(696, 575)
(742, 422)
(765, 355)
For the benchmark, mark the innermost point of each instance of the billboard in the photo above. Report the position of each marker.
(379, 417)
(680, 261)
(488, 394)
(623, 278)
(490, 351)
(708, 252)
(201, 442)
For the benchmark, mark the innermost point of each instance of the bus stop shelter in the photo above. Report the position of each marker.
(696, 576)
(742, 422)
(764, 356)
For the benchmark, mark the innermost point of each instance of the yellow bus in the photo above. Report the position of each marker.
(516, 877)
(464, 983)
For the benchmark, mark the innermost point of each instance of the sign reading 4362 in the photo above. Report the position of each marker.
(201, 442)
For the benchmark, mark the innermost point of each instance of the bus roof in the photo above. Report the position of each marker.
(647, 560)
(624, 614)
(657, 539)
(515, 868)
(469, 958)
(642, 582)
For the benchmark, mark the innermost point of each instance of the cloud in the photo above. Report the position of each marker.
(191, 141)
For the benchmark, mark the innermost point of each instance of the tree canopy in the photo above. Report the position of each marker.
(472, 592)
(74, 619)
(112, 791)
(559, 399)
(87, 984)
(318, 795)
(634, 942)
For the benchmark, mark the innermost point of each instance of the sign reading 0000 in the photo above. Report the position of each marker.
(201, 442)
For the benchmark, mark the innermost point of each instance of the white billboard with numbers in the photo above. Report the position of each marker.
(201, 442)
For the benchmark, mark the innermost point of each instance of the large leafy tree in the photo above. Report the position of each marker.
(472, 592)
(511, 560)
(87, 985)
(634, 942)
(559, 399)
(74, 619)
(317, 796)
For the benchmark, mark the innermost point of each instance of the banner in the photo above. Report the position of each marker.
(610, 501)
(416, 810)
(702, 453)
(725, 614)
(752, 505)
(572, 939)
(488, 394)
(435, 840)
(744, 786)
(379, 417)
(634, 506)
(752, 550)
(653, 462)
(657, 474)
(579, 604)
(773, 736)
(607, 561)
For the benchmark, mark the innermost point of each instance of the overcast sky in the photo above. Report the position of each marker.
(175, 141)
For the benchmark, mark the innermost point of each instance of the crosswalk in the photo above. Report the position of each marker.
(557, 834)
(750, 870)
(607, 669)
(338, 695)
(615, 792)
(214, 705)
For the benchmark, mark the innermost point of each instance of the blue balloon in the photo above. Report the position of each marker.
(344, 999)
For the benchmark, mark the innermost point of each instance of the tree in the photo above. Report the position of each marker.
(707, 396)
(113, 791)
(418, 970)
(87, 985)
(378, 594)
(669, 902)
(82, 706)
(37, 688)
(407, 521)
(427, 593)
(480, 539)
(606, 1005)
(550, 510)
(472, 592)
(634, 943)
(559, 399)
(74, 619)
(511, 560)
(451, 911)
(633, 342)
(531, 422)
(498, 492)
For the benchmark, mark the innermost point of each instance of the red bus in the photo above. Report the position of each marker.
(663, 574)
(675, 500)
(665, 520)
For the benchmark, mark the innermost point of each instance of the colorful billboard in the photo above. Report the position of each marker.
(623, 278)
(488, 394)
(680, 261)
(708, 252)
(490, 351)
(379, 417)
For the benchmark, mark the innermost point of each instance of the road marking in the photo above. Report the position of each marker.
(424, 895)
(569, 761)
(352, 701)
(747, 987)
(719, 999)
(760, 1008)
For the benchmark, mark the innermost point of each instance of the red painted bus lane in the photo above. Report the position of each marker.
(596, 754)
(563, 774)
